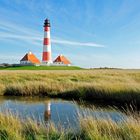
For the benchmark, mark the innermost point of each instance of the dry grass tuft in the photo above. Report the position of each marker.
(12, 128)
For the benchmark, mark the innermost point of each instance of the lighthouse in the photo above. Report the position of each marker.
(46, 56)
(31, 59)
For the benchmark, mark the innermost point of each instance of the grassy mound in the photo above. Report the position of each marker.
(41, 68)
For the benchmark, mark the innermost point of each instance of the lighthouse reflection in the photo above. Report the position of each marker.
(59, 113)
(47, 112)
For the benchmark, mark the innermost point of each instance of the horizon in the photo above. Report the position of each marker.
(90, 34)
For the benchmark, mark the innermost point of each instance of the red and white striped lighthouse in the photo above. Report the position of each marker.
(46, 57)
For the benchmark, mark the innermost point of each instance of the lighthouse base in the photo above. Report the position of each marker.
(54, 64)
(44, 63)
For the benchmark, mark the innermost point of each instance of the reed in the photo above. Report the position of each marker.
(111, 86)
(109, 130)
(13, 128)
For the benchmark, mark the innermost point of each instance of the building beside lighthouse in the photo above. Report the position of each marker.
(61, 60)
(31, 59)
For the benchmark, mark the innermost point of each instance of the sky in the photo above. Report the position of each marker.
(90, 33)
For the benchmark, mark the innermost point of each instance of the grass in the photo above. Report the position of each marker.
(108, 85)
(111, 86)
(12, 128)
(41, 68)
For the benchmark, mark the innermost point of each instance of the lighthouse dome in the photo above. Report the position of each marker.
(47, 22)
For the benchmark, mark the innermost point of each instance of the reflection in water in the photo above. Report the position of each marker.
(47, 112)
(58, 111)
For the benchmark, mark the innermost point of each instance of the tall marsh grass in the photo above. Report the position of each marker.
(112, 86)
(12, 128)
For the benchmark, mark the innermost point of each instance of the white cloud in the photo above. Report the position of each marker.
(26, 34)
(66, 42)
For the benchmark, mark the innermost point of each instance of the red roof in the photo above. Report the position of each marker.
(62, 59)
(31, 57)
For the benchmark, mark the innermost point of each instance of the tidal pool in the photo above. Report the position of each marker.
(60, 112)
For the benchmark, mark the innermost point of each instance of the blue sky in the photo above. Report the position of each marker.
(91, 33)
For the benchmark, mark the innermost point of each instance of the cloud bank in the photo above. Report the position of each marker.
(14, 32)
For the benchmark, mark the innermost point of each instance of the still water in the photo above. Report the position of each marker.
(58, 111)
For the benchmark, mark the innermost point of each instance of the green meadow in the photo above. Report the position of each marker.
(40, 68)
(107, 85)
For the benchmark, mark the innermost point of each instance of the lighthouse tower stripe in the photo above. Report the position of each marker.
(46, 41)
(46, 56)
(46, 28)
(47, 34)
(46, 48)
